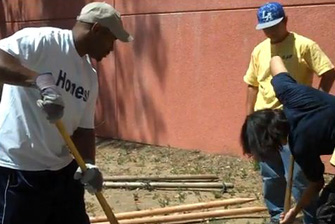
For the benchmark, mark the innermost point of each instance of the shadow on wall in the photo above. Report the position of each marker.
(21, 13)
(70, 10)
(16, 13)
(3, 28)
(135, 83)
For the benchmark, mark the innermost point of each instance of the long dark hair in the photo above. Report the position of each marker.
(263, 132)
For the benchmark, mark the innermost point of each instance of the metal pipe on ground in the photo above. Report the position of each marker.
(192, 216)
(174, 209)
(150, 185)
(218, 190)
(188, 177)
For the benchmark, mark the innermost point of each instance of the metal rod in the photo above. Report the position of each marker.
(202, 177)
(167, 185)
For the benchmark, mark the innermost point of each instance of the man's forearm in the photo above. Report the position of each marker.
(13, 72)
(277, 66)
(84, 140)
(327, 80)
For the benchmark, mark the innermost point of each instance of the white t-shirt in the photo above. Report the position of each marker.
(27, 140)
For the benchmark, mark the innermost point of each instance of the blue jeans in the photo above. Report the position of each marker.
(274, 172)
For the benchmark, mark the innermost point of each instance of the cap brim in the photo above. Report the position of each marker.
(120, 33)
(262, 26)
(125, 37)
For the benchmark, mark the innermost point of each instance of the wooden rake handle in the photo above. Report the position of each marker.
(73, 149)
(287, 203)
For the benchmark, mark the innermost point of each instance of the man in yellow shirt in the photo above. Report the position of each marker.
(302, 58)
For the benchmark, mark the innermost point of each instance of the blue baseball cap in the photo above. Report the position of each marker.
(269, 15)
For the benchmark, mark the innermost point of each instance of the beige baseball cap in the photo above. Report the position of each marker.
(107, 16)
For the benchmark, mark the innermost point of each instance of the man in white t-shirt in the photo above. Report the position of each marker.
(48, 75)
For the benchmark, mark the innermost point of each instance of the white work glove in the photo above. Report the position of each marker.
(91, 178)
(51, 100)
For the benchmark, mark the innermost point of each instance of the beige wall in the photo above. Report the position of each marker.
(180, 82)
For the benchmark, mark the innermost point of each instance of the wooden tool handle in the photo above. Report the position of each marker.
(73, 149)
(192, 216)
(287, 203)
(174, 209)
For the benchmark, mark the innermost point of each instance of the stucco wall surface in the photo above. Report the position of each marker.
(180, 82)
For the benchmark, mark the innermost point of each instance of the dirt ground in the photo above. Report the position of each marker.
(119, 158)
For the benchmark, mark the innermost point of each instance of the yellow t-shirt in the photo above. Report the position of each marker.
(302, 58)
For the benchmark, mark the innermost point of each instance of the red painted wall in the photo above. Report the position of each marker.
(180, 82)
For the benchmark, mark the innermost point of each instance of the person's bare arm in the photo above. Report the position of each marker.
(251, 98)
(277, 65)
(13, 72)
(311, 192)
(327, 80)
(84, 140)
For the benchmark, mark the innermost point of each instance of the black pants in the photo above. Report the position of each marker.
(326, 205)
(41, 197)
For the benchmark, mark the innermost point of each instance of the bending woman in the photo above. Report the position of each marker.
(306, 123)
